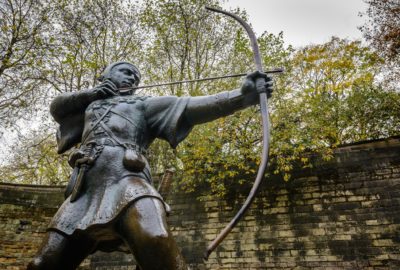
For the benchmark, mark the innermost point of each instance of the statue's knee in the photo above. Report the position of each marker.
(146, 218)
(157, 244)
(155, 234)
(161, 234)
(43, 263)
(36, 264)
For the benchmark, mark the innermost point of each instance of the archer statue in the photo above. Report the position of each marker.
(110, 202)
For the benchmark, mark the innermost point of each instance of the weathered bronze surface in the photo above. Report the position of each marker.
(111, 203)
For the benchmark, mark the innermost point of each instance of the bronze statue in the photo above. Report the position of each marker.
(110, 201)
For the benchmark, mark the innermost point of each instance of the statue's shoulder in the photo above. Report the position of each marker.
(118, 100)
(132, 99)
(140, 98)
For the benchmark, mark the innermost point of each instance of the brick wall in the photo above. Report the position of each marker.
(342, 214)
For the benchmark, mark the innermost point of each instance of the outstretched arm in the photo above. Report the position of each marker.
(75, 102)
(207, 108)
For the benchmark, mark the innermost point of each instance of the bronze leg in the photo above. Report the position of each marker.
(59, 252)
(143, 227)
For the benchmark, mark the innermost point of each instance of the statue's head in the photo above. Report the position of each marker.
(122, 74)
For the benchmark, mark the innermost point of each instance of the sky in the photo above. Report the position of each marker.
(304, 22)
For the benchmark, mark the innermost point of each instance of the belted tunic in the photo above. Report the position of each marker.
(107, 129)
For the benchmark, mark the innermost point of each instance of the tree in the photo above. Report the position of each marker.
(77, 40)
(50, 47)
(383, 27)
(334, 98)
(222, 157)
(324, 76)
(90, 35)
(329, 96)
(24, 26)
(187, 42)
(35, 161)
(383, 32)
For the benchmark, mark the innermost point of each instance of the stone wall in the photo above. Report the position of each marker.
(342, 214)
(25, 212)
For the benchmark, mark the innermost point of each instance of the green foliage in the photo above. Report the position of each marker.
(332, 98)
(90, 35)
(223, 156)
(330, 94)
(35, 161)
(324, 77)
(186, 42)
(22, 46)
(50, 47)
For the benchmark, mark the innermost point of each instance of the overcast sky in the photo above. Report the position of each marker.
(304, 22)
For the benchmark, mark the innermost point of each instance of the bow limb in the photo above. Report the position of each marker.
(265, 127)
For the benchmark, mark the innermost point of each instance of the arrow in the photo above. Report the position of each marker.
(128, 89)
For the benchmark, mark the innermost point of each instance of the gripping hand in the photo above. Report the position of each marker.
(106, 89)
(257, 82)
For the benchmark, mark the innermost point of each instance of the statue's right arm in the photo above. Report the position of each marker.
(69, 103)
(77, 102)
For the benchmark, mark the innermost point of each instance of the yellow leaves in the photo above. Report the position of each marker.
(231, 173)
(304, 160)
(286, 177)
(287, 168)
(219, 155)
(333, 67)
(5, 28)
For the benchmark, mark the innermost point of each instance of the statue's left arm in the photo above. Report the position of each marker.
(207, 108)
(172, 118)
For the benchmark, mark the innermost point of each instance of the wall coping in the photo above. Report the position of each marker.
(35, 188)
(393, 141)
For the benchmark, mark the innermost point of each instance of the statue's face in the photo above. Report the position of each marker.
(124, 75)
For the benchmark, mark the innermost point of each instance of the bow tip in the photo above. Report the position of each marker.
(210, 8)
(206, 255)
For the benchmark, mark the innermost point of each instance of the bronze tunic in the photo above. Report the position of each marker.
(110, 127)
